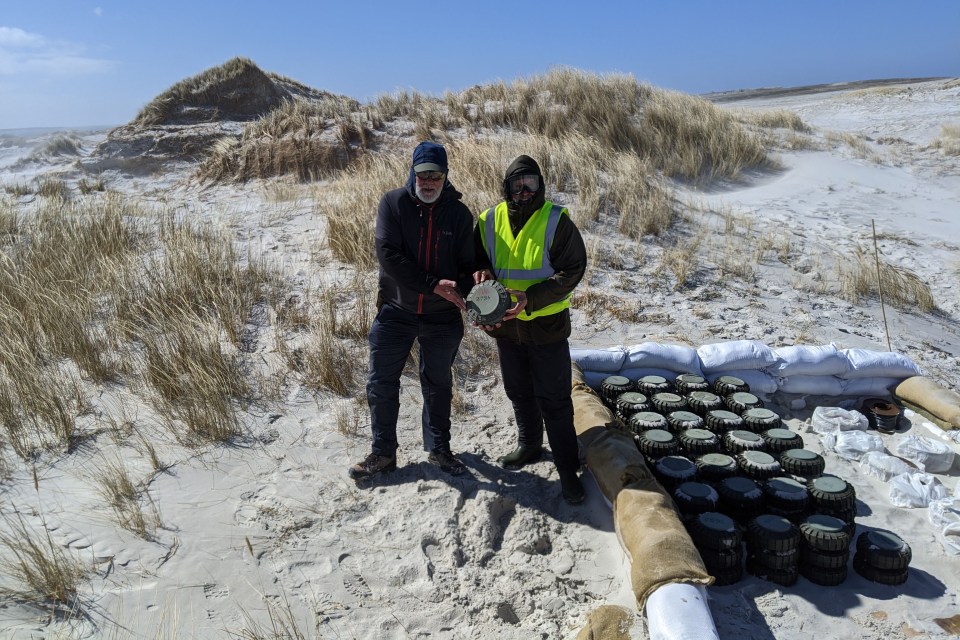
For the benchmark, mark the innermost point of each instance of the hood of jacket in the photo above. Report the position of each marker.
(519, 213)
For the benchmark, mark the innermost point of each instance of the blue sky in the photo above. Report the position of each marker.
(78, 63)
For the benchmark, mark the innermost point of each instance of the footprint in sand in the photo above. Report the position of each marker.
(213, 591)
(431, 550)
(352, 580)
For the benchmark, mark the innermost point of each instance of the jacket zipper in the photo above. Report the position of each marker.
(426, 254)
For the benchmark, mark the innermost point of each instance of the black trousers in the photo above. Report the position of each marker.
(391, 338)
(537, 381)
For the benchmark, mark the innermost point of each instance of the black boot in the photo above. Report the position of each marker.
(571, 488)
(521, 456)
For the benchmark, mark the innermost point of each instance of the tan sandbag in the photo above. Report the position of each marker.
(615, 462)
(576, 373)
(660, 549)
(607, 622)
(927, 394)
(590, 416)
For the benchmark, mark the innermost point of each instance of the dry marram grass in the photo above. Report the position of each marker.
(949, 140)
(110, 292)
(116, 486)
(900, 287)
(42, 568)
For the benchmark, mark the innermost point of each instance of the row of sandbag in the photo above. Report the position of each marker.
(822, 370)
(909, 470)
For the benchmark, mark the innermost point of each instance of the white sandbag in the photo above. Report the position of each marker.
(833, 420)
(809, 360)
(883, 466)
(915, 490)
(874, 386)
(760, 382)
(594, 378)
(812, 385)
(879, 364)
(680, 611)
(852, 445)
(639, 372)
(735, 355)
(610, 359)
(674, 357)
(930, 455)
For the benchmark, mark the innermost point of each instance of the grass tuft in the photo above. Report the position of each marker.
(900, 287)
(948, 141)
(43, 569)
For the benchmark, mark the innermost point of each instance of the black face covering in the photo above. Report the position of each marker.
(519, 212)
(525, 209)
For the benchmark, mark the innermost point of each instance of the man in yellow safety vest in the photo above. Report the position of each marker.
(536, 251)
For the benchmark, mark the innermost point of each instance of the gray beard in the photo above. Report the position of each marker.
(424, 200)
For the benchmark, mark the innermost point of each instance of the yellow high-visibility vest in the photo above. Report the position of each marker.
(522, 261)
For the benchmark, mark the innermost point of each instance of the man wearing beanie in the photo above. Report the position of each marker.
(535, 250)
(426, 255)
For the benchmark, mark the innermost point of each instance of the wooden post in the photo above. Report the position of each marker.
(883, 310)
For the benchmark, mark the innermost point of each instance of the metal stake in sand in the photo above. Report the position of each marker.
(883, 310)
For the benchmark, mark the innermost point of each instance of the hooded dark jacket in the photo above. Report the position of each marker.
(419, 244)
(568, 255)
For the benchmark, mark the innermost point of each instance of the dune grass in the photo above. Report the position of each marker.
(856, 143)
(859, 278)
(18, 189)
(87, 186)
(45, 573)
(49, 187)
(61, 144)
(132, 506)
(252, 92)
(619, 185)
(107, 293)
(775, 119)
(679, 135)
(948, 141)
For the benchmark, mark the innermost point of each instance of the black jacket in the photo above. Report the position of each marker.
(568, 255)
(418, 245)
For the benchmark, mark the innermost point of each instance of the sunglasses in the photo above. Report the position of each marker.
(519, 184)
(429, 176)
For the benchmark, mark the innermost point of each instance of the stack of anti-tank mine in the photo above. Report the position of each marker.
(752, 497)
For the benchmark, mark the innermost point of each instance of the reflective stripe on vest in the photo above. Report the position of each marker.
(526, 257)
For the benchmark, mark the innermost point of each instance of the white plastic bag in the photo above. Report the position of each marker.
(834, 420)
(930, 455)
(853, 444)
(883, 466)
(945, 517)
(916, 490)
